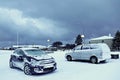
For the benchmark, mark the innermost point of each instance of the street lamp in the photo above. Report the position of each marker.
(48, 42)
(82, 36)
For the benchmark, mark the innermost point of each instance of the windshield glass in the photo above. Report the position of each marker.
(35, 52)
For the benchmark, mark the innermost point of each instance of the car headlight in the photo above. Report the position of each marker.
(34, 62)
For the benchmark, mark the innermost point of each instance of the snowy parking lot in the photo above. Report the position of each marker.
(75, 70)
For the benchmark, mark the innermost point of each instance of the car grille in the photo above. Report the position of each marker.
(47, 61)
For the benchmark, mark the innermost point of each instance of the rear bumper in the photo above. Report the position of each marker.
(104, 59)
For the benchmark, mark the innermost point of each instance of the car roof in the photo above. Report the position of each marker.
(98, 44)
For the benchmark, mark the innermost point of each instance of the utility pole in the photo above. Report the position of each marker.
(17, 39)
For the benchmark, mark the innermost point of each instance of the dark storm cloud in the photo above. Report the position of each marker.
(13, 21)
(60, 19)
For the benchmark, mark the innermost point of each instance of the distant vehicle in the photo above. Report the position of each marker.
(93, 52)
(32, 61)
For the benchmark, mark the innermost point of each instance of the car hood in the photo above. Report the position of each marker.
(41, 57)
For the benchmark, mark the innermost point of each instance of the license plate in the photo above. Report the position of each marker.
(48, 65)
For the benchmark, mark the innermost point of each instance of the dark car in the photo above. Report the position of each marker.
(32, 61)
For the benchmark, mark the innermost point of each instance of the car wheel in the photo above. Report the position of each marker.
(94, 60)
(11, 63)
(27, 70)
(69, 58)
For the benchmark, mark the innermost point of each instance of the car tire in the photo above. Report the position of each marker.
(27, 70)
(11, 64)
(69, 58)
(94, 60)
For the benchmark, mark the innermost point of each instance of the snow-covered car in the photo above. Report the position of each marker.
(93, 52)
(32, 61)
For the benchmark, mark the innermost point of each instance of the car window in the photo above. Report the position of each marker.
(35, 52)
(94, 47)
(85, 47)
(19, 52)
(78, 48)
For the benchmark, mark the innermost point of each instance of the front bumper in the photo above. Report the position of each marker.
(44, 68)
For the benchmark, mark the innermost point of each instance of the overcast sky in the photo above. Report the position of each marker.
(40, 20)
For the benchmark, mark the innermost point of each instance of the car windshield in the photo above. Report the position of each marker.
(35, 52)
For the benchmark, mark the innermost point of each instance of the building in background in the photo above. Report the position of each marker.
(29, 46)
(103, 39)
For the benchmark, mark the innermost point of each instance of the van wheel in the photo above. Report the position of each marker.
(69, 58)
(94, 60)
(27, 70)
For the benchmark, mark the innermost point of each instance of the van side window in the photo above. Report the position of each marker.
(78, 48)
(85, 47)
(94, 47)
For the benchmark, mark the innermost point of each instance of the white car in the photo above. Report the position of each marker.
(93, 52)
(32, 61)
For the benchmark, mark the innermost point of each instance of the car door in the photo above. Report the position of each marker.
(85, 52)
(77, 52)
(19, 58)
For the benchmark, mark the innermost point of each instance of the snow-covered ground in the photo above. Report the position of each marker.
(75, 70)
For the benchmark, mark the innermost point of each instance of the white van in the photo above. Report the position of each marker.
(93, 52)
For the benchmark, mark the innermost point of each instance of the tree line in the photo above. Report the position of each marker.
(59, 44)
(116, 41)
(79, 41)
